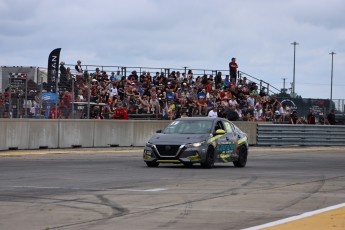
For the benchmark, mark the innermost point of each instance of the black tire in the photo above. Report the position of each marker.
(152, 164)
(188, 164)
(242, 158)
(209, 161)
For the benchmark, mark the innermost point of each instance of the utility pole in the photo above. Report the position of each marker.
(284, 82)
(294, 68)
(185, 71)
(330, 105)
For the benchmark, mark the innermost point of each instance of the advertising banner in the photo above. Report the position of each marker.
(53, 66)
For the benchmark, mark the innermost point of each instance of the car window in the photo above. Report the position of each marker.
(228, 127)
(189, 127)
(219, 125)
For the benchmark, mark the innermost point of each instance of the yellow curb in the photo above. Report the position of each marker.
(334, 219)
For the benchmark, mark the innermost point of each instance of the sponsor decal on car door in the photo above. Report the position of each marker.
(226, 144)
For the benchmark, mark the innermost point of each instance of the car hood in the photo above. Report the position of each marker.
(177, 139)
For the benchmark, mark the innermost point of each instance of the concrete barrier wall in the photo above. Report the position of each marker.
(3, 136)
(125, 133)
(35, 134)
(249, 128)
(110, 132)
(15, 134)
(144, 130)
(42, 134)
(76, 133)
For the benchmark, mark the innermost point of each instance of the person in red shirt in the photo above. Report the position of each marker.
(52, 113)
(208, 86)
(66, 99)
(233, 69)
(120, 113)
(311, 117)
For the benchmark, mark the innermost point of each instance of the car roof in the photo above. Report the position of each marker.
(200, 119)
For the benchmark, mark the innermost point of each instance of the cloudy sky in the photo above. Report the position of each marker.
(200, 34)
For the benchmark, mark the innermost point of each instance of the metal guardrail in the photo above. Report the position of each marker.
(270, 88)
(301, 135)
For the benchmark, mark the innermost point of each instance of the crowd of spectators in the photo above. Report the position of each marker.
(169, 97)
(161, 96)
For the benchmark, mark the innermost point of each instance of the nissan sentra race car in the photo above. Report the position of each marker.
(202, 140)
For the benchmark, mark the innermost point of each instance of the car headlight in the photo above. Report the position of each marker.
(194, 145)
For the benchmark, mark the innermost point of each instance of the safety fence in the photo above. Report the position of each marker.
(300, 135)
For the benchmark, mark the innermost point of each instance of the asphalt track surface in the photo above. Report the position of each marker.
(113, 189)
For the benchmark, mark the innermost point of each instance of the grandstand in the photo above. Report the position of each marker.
(94, 86)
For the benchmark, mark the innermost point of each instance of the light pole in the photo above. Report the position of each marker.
(330, 105)
(185, 71)
(294, 67)
(284, 85)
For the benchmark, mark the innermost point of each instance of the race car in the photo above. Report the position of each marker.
(202, 140)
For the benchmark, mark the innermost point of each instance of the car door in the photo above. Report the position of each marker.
(226, 144)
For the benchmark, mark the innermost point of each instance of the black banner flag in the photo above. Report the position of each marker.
(53, 66)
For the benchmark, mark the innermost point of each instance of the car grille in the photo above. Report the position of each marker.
(167, 150)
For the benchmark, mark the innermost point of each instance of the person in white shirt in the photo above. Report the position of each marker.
(213, 112)
(113, 90)
(233, 101)
(258, 112)
(279, 113)
(80, 97)
(282, 112)
(251, 100)
(33, 110)
(78, 68)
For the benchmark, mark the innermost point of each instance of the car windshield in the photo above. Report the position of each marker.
(189, 127)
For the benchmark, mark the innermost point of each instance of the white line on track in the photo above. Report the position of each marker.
(303, 215)
(145, 190)
(89, 189)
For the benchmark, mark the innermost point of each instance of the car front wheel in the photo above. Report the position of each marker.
(188, 164)
(242, 158)
(209, 160)
(152, 164)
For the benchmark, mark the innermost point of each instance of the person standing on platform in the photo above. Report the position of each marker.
(233, 69)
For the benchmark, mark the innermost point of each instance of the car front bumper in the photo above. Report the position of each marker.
(174, 154)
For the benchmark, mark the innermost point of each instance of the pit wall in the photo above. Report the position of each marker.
(37, 134)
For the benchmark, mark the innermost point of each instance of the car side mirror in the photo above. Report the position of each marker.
(159, 131)
(219, 132)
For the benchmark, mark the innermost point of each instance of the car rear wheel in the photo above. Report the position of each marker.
(152, 164)
(209, 161)
(242, 158)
